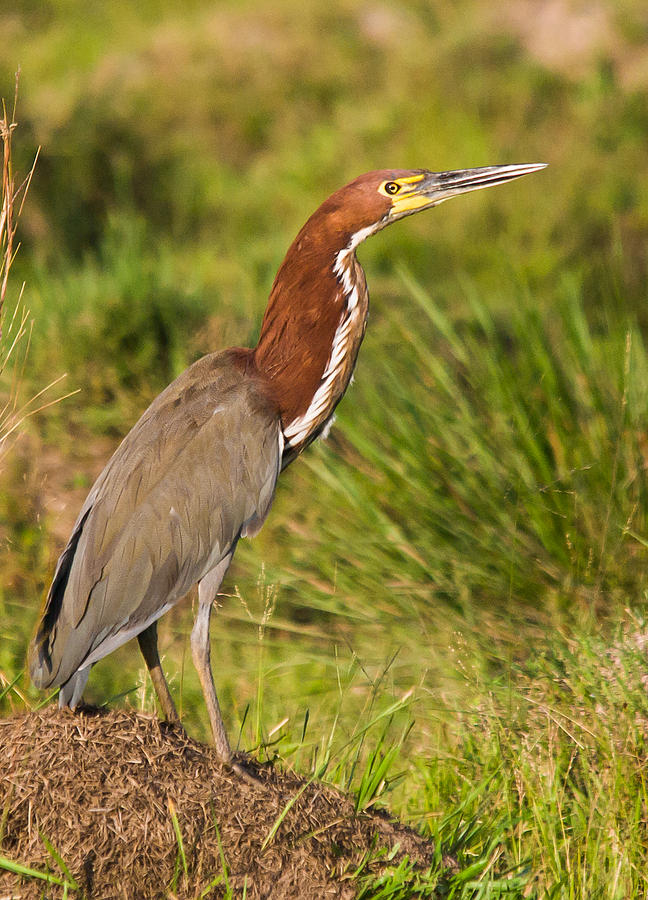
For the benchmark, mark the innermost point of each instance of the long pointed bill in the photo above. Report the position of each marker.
(435, 187)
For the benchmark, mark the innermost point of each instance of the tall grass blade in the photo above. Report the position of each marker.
(28, 872)
(56, 856)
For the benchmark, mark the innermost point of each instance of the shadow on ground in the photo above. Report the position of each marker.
(104, 787)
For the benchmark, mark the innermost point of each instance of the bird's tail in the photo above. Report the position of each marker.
(43, 675)
(39, 659)
(72, 691)
(43, 669)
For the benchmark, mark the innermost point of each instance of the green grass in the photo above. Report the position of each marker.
(457, 578)
(66, 881)
(534, 778)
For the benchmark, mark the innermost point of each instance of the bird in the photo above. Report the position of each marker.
(198, 471)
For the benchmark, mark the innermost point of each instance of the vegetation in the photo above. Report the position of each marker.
(448, 595)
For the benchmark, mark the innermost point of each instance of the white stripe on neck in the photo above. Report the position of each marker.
(299, 429)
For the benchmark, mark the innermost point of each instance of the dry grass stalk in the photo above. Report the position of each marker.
(15, 334)
(13, 200)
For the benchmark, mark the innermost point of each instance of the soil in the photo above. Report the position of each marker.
(103, 788)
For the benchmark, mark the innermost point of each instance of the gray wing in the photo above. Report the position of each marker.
(194, 474)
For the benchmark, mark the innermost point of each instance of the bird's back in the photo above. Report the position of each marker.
(196, 471)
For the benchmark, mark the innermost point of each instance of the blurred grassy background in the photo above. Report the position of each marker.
(481, 502)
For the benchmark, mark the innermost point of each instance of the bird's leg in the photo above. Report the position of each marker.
(207, 591)
(201, 656)
(148, 645)
(200, 650)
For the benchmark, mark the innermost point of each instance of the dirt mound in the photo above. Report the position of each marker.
(105, 788)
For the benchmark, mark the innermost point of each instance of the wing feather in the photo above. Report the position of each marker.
(196, 472)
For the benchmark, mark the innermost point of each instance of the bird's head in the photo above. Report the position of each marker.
(376, 199)
(317, 311)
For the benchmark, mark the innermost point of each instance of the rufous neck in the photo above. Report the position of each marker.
(311, 331)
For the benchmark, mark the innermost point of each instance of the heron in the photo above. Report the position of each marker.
(198, 471)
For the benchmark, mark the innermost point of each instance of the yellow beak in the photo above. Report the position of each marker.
(435, 187)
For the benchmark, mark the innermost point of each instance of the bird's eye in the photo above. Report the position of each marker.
(392, 187)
